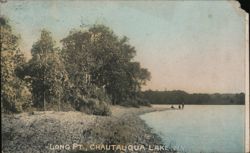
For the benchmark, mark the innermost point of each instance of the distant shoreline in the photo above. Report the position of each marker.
(178, 97)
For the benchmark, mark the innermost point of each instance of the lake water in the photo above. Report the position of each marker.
(201, 128)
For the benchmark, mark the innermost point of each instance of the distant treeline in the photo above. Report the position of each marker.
(178, 97)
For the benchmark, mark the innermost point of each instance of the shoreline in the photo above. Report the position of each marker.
(38, 132)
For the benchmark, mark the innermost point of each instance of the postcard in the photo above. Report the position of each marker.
(121, 76)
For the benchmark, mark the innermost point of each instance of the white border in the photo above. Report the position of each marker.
(247, 88)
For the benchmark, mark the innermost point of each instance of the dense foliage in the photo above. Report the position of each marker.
(46, 72)
(94, 69)
(98, 57)
(178, 97)
(15, 95)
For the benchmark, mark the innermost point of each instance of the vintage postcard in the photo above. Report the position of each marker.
(122, 76)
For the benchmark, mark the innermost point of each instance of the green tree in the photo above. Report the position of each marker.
(46, 73)
(14, 92)
(115, 70)
(78, 60)
(97, 56)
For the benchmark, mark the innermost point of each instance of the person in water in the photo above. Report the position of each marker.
(182, 105)
(172, 106)
(179, 106)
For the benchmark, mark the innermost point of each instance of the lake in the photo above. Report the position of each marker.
(201, 128)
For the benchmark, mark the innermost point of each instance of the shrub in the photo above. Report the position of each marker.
(93, 106)
(130, 103)
(97, 93)
(143, 102)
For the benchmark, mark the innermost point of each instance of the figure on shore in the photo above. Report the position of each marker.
(182, 105)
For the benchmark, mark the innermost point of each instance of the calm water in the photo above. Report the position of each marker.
(207, 128)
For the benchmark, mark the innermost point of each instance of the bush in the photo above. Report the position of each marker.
(15, 99)
(130, 103)
(97, 93)
(93, 106)
(143, 102)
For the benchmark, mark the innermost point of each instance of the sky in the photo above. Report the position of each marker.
(196, 46)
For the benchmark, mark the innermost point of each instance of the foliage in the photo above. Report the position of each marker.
(94, 69)
(46, 73)
(15, 93)
(93, 106)
(98, 57)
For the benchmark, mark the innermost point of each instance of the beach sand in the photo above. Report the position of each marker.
(45, 131)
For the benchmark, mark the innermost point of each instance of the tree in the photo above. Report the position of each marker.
(115, 70)
(78, 60)
(46, 72)
(14, 93)
(97, 56)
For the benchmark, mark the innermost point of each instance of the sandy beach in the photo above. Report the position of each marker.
(58, 131)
